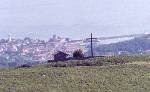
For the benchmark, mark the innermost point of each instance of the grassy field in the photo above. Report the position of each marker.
(129, 77)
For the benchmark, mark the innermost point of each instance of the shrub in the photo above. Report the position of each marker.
(78, 54)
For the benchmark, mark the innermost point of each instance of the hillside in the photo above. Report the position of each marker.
(134, 46)
(130, 77)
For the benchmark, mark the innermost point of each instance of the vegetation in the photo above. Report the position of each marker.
(78, 54)
(133, 76)
(100, 61)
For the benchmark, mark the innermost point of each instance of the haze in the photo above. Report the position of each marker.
(73, 18)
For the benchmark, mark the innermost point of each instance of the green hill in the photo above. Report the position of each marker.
(134, 46)
(129, 77)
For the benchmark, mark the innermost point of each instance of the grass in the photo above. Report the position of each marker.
(130, 77)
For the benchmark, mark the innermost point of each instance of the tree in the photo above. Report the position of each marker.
(78, 54)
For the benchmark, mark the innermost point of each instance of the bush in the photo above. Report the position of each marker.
(78, 54)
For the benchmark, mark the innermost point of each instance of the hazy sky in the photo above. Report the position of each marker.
(73, 18)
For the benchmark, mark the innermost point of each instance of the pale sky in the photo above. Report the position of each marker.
(73, 18)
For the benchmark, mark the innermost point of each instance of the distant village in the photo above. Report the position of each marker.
(35, 50)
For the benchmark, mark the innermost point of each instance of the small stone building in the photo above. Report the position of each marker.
(60, 56)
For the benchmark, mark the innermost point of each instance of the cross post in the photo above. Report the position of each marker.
(92, 54)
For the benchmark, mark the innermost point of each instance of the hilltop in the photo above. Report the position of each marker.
(131, 76)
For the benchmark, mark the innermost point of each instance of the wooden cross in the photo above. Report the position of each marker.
(92, 53)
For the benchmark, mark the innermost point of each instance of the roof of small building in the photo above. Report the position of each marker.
(60, 52)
